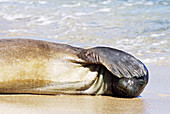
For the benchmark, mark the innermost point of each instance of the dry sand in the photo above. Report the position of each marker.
(154, 99)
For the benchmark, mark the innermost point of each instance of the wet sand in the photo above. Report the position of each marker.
(154, 99)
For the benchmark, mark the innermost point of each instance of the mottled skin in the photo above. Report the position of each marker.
(46, 67)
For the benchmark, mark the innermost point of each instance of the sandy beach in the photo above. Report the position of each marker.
(154, 99)
(139, 27)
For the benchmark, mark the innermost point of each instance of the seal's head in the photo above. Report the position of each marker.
(129, 87)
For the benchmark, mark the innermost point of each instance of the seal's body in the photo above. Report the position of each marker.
(43, 67)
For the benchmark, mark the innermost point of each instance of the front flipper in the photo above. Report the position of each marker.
(119, 63)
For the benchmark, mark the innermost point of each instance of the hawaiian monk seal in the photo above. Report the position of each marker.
(45, 67)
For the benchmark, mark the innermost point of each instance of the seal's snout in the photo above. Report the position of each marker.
(129, 87)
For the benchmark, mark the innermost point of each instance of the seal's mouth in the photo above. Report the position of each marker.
(124, 92)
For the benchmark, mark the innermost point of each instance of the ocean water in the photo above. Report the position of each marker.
(140, 27)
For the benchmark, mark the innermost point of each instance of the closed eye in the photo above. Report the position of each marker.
(142, 80)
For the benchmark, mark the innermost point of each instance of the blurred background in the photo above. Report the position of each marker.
(140, 27)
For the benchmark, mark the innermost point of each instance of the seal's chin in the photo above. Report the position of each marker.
(128, 87)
